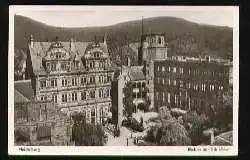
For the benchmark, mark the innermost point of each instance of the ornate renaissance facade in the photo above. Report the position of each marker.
(76, 76)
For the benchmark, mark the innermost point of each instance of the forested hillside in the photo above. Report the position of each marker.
(183, 37)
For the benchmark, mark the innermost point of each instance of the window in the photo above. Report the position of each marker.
(53, 66)
(83, 96)
(163, 69)
(101, 79)
(174, 69)
(181, 84)
(195, 87)
(181, 70)
(77, 65)
(203, 87)
(63, 66)
(163, 81)
(101, 93)
(74, 81)
(175, 99)
(174, 82)
(64, 97)
(158, 80)
(159, 40)
(169, 82)
(92, 94)
(143, 84)
(54, 98)
(64, 82)
(134, 85)
(42, 83)
(212, 87)
(163, 96)
(220, 88)
(158, 68)
(48, 66)
(168, 97)
(109, 92)
(134, 95)
(109, 78)
(53, 83)
(83, 80)
(42, 98)
(74, 96)
(92, 64)
(169, 69)
(92, 80)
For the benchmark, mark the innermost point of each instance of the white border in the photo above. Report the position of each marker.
(119, 150)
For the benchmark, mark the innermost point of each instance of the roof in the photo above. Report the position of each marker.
(23, 90)
(78, 49)
(186, 59)
(19, 98)
(224, 139)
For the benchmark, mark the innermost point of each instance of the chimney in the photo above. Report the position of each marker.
(31, 41)
(128, 62)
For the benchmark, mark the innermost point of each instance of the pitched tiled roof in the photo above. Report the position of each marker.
(39, 50)
(224, 139)
(23, 88)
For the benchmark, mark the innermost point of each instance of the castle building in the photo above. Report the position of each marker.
(38, 122)
(191, 83)
(129, 92)
(76, 76)
(153, 47)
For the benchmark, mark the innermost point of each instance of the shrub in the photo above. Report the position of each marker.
(136, 126)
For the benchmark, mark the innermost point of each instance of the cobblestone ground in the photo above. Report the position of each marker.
(122, 140)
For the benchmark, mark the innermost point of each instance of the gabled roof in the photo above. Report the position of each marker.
(78, 49)
(23, 90)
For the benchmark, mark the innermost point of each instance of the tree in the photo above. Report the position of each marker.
(169, 133)
(226, 111)
(195, 125)
(86, 134)
(174, 134)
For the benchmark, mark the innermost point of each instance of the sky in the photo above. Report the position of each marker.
(89, 16)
